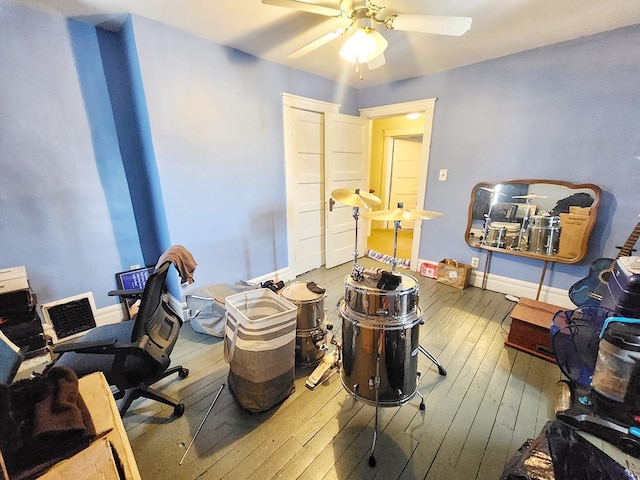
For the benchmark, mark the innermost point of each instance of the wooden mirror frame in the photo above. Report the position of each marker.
(513, 213)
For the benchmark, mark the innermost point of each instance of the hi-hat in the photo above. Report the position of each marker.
(402, 214)
(355, 198)
(530, 195)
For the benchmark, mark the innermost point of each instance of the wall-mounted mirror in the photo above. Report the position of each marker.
(546, 219)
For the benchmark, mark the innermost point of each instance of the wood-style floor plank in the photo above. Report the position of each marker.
(491, 401)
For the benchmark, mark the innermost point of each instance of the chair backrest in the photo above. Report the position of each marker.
(156, 322)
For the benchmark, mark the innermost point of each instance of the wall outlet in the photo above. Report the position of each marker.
(442, 177)
(475, 261)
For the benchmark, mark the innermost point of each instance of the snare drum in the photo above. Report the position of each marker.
(311, 331)
(373, 349)
(397, 304)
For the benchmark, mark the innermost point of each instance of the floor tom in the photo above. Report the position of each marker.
(379, 356)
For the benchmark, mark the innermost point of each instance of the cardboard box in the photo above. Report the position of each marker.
(456, 274)
(580, 210)
(530, 325)
(429, 270)
(95, 461)
(12, 279)
(111, 448)
(574, 228)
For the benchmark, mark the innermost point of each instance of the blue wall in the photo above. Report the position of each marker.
(566, 112)
(54, 214)
(116, 145)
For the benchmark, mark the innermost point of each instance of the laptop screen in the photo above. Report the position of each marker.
(133, 279)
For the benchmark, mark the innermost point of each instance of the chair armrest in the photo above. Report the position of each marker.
(99, 346)
(133, 293)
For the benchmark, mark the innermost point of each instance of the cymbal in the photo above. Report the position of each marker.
(355, 198)
(530, 195)
(401, 213)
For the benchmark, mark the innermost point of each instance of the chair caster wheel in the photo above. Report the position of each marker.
(422, 407)
(183, 372)
(178, 410)
(372, 461)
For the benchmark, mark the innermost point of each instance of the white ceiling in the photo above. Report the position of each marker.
(500, 27)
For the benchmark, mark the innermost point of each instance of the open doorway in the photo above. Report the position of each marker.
(399, 155)
(399, 186)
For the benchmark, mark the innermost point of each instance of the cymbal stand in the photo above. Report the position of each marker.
(487, 217)
(356, 215)
(525, 223)
(394, 259)
(374, 383)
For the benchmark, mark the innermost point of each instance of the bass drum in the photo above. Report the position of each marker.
(399, 303)
(311, 330)
(390, 353)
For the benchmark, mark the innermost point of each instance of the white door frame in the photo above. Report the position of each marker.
(427, 107)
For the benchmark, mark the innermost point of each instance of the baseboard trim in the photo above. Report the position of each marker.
(519, 288)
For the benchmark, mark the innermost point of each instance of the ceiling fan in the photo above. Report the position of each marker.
(366, 45)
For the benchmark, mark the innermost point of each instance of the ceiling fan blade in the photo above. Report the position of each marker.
(305, 7)
(317, 43)
(377, 62)
(454, 26)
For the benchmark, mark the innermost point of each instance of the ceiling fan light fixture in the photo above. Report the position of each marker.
(363, 46)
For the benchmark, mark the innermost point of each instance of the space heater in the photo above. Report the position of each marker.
(70, 317)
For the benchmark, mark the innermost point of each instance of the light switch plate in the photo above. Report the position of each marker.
(443, 175)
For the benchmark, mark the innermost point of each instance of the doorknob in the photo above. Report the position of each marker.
(332, 202)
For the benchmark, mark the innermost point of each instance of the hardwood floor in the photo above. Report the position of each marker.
(381, 240)
(491, 401)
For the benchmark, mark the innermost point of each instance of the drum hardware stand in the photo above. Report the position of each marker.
(201, 424)
(328, 367)
(398, 215)
(356, 200)
(394, 260)
(427, 354)
(356, 215)
(485, 229)
(374, 383)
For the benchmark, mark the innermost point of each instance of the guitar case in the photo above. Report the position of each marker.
(623, 288)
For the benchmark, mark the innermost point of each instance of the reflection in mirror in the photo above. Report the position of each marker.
(540, 218)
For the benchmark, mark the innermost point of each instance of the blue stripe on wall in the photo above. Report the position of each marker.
(104, 137)
(128, 102)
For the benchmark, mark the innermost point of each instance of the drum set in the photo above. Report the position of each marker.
(378, 354)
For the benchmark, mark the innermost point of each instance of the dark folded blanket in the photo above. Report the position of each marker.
(43, 421)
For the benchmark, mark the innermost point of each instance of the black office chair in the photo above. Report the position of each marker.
(133, 355)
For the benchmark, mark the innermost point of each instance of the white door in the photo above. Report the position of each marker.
(305, 188)
(403, 183)
(345, 167)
